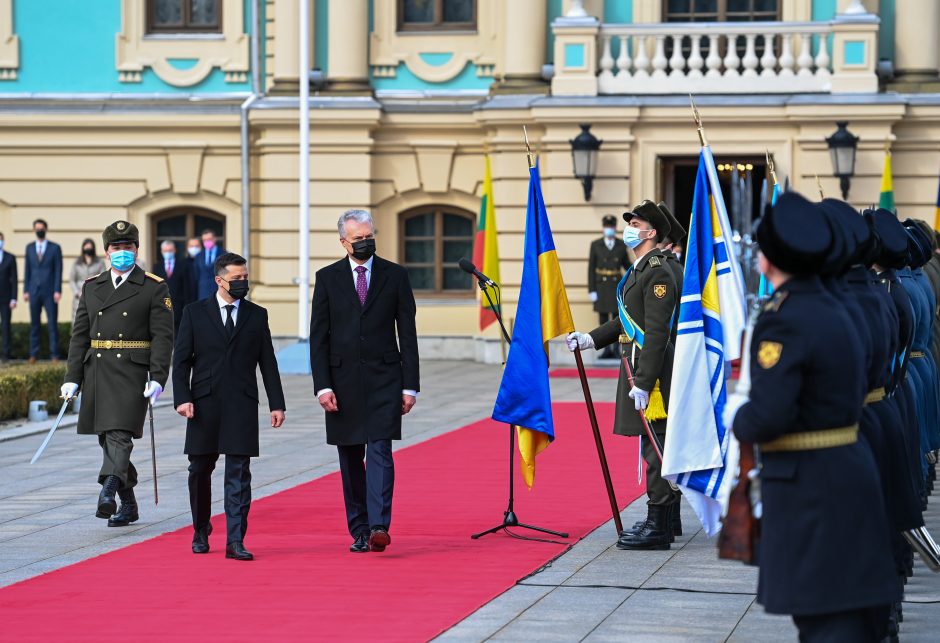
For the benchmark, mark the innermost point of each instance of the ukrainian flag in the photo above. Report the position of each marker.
(712, 314)
(524, 397)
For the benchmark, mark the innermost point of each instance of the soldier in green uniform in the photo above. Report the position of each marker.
(676, 236)
(123, 330)
(606, 263)
(649, 297)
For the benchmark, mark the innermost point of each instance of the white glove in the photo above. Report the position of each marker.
(735, 402)
(577, 340)
(68, 390)
(153, 390)
(641, 398)
(592, 296)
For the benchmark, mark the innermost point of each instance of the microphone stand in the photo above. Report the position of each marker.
(509, 516)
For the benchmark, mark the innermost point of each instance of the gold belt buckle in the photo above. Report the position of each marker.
(107, 344)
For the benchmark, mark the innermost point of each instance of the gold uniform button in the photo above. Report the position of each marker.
(100, 313)
(121, 334)
(99, 334)
(125, 314)
(99, 355)
(119, 356)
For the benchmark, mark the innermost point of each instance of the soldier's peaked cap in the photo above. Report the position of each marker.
(677, 233)
(893, 239)
(919, 246)
(794, 236)
(860, 237)
(120, 231)
(650, 212)
(609, 221)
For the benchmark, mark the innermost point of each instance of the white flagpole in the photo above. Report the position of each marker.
(303, 280)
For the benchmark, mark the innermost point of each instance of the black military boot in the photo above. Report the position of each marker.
(128, 511)
(675, 518)
(107, 505)
(639, 524)
(655, 534)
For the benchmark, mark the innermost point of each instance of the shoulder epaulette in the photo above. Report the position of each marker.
(153, 276)
(93, 276)
(655, 261)
(775, 302)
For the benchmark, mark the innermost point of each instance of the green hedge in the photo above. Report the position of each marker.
(19, 338)
(23, 383)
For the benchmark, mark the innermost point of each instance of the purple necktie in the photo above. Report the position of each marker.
(362, 288)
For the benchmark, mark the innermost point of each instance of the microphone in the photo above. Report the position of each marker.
(467, 266)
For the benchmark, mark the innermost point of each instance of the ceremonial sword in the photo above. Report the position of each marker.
(55, 425)
(153, 448)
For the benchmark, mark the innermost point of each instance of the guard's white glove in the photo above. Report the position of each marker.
(592, 296)
(68, 390)
(641, 398)
(153, 390)
(577, 340)
(735, 401)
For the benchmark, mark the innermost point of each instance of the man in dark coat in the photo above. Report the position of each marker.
(363, 378)
(42, 288)
(222, 340)
(606, 262)
(122, 341)
(204, 263)
(175, 271)
(650, 296)
(8, 288)
(819, 480)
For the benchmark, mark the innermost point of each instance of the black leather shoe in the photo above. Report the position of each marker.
(655, 534)
(127, 513)
(379, 539)
(201, 540)
(107, 504)
(237, 551)
(359, 546)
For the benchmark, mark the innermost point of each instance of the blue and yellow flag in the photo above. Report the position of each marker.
(524, 397)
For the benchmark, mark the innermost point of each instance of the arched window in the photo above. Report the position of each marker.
(433, 239)
(179, 224)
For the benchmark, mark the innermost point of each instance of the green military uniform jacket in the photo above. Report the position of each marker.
(605, 268)
(112, 380)
(678, 273)
(650, 296)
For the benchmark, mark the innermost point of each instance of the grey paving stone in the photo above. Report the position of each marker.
(758, 625)
(493, 616)
(564, 614)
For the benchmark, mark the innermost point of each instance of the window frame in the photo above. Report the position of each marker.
(185, 27)
(438, 24)
(722, 12)
(190, 212)
(437, 264)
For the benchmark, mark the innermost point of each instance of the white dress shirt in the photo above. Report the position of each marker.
(123, 275)
(224, 313)
(41, 247)
(609, 242)
(355, 275)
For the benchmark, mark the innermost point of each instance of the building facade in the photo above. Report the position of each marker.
(158, 110)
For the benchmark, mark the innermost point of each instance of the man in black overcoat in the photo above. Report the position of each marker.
(363, 378)
(175, 271)
(222, 340)
(8, 287)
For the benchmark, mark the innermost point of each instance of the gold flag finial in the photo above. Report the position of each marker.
(528, 149)
(819, 187)
(770, 166)
(888, 144)
(698, 122)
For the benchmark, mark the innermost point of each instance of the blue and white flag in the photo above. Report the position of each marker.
(712, 317)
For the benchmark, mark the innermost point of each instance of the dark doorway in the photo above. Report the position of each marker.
(179, 224)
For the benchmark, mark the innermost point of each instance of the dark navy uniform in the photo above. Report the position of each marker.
(606, 264)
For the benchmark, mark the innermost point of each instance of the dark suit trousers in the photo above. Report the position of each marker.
(5, 314)
(116, 447)
(237, 492)
(367, 488)
(869, 624)
(36, 305)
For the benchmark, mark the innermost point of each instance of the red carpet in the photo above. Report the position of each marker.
(607, 373)
(304, 585)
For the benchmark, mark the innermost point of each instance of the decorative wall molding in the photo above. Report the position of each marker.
(9, 43)
(389, 48)
(136, 50)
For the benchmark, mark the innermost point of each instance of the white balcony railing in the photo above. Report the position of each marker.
(706, 58)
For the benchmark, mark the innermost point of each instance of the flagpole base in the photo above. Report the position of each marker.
(510, 520)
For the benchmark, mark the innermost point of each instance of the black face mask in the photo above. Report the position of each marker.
(238, 289)
(40, 234)
(89, 252)
(363, 250)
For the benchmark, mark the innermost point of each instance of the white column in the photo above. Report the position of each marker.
(349, 46)
(523, 46)
(915, 40)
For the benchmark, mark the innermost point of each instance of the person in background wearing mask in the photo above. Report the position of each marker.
(176, 272)
(122, 340)
(193, 248)
(647, 303)
(204, 264)
(606, 262)
(362, 377)
(222, 340)
(86, 265)
(42, 288)
(8, 288)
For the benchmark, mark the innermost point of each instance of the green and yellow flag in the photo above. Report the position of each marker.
(886, 199)
(485, 247)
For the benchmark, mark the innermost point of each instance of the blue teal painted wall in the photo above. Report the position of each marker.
(56, 55)
(618, 11)
(321, 30)
(886, 31)
(407, 81)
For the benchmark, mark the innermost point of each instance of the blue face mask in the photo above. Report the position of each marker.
(1, 244)
(122, 260)
(631, 237)
(610, 232)
(169, 256)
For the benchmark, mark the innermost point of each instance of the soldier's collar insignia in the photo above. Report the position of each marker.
(768, 354)
(659, 290)
(776, 301)
(655, 261)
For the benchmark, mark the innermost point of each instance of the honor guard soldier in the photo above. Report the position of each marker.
(676, 236)
(122, 343)
(606, 263)
(647, 301)
(824, 553)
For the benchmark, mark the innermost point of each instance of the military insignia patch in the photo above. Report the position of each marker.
(121, 225)
(654, 261)
(768, 354)
(168, 303)
(659, 290)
